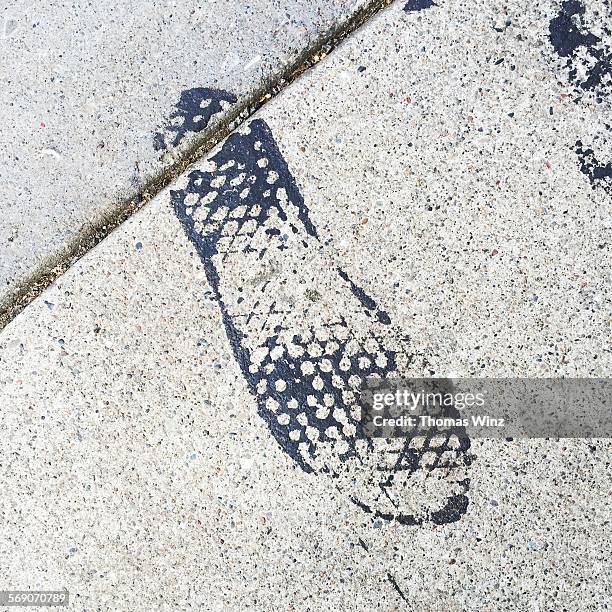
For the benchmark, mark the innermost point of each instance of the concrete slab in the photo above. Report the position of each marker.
(413, 204)
(97, 100)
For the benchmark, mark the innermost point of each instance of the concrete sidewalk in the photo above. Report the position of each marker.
(431, 199)
(100, 99)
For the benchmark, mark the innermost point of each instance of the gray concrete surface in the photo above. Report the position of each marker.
(139, 470)
(89, 101)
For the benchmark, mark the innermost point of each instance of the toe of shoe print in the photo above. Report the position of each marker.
(193, 113)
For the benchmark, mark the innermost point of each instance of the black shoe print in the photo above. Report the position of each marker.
(598, 173)
(305, 335)
(193, 113)
(587, 57)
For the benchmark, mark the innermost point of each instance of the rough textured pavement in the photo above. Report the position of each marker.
(99, 99)
(432, 198)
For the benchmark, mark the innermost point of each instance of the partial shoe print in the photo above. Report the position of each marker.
(417, 5)
(581, 34)
(587, 55)
(305, 335)
(193, 113)
(599, 173)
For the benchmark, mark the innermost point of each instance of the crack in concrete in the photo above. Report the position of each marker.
(96, 230)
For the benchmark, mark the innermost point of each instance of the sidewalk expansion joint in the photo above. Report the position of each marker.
(96, 230)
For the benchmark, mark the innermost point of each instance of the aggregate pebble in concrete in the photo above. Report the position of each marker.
(448, 187)
(98, 98)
